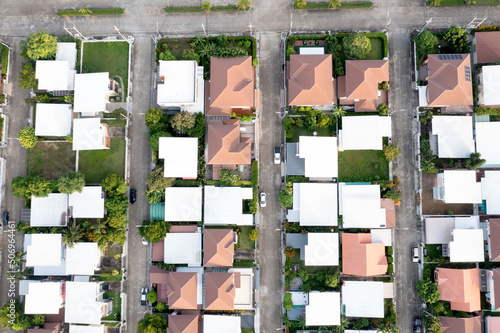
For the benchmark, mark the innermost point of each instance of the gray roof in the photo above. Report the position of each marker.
(295, 166)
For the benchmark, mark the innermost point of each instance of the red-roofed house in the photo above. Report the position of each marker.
(184, 324)
(220, 289)
(218, 247)
(461, 325)
(460, 287)
(486, 47)
(182, 291)
(361, 257)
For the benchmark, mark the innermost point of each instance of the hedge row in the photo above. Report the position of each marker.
(326, 5)
(254, 42)
(190, 9)
(100, 11)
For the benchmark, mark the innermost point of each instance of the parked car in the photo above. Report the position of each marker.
(144, 296)
(5, 218)
(263, 200)
(417, 325)
(277, 155)
(144, 241)
(133, 195)
(415, 254)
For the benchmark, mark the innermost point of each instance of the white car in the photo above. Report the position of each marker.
(263, 200)
(144, 241)
(277, 155)
(415, 254)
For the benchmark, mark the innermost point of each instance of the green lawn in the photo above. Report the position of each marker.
(362, 166)
(117, 120)
(462, 3)
(5, 58)
(247, 330)
(243, 241)
(109, 57)
(50, 159)
(97, 164)
(433, 252)
(302, 131)
(377, 51)
(116, 312)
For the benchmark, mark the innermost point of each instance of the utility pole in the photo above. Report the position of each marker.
(250, 25)
(388, 22)
(291, 21)
(425, 26)
(118, 31)
(204, 30)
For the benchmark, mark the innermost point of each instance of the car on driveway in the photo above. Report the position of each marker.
(144, 296)
(417, 325)
(263, 200)
(133, 195)
(415, 254)
(277, 155)
(5, 218)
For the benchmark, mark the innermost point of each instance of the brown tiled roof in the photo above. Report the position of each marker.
(218, 247)
(488, 46)
(157, 275)
(182, 290)
(460, 287)
(363, 77)
(390, 212)
(232, 82)
(494, 239)
(310, 80)
(460, 325)
(496, 288)
(362, 258)
(56, 318)
(179, 229)
(159, 250)
(447, 84)
(225, 145)
(220, 289)
(493, 324)
(183, 324)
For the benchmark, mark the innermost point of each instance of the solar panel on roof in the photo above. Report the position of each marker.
(467, 74)
(450, 57)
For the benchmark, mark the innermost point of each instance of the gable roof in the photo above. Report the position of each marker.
(220, 290)
(493, 324)
(218, 247)
(362, 257)
(182, 290)
(311, 81)
(183, 323)
(232, 82)
(460, 287)
(225, 145)
(487, 46)
(494, 239)
(363, 76)
(448, 83)
(461, 325)
(495, 296)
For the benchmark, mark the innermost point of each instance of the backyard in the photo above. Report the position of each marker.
(362, 166)
(378, 43)
(116, 312)
(244, 241)
(302, 131)
(97, 164)
(51, 159)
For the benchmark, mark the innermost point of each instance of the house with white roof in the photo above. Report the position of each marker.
(181, 157)
(86, 328)
(53, 119)
(364, 132)
(322, 249)
(439, 230)
(183, 248)
(314, 204)
(87, 204)
(49, 211)
(320, 156)
(457, 186)
(487, 135)
(41, 297)
(323, 309)
(224, 205)
(454, 135)
(489, 85)
(92, 92)
(467, 245)
(490, 195)
(360, 206)
(90, 134)
(181, 85)
(363, 299)
(43, 249)
(85, 303)
(58, 74)
(244, 294)
(183, 204)
(221, 324)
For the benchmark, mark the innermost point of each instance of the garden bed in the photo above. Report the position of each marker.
(97, 164)
(326, 5)
(51, 159)
(462, 3)
(5, 58)
(362, 166)
(191, 9)
(91, 12)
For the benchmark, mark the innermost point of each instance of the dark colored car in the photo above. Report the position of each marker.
(133, 195)
(417, 325)
(5, 218)
(144, 296)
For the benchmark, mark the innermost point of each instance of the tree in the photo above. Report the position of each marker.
(152, 296)
(183, 121)
(190, 54)
(360, 323)
(287, 302)
(85, 10)
(12, 316)
(383, 109)
(39, 320)
(426, 42)
(470, 2)
(229, 176)
(26, 187)
(290, 251)
(160, 307)
(72, 235)
(153, 116)
(244, 4)
(393, 194)
(27, 79)
(70, 182)
(300, 4)
(166, 55)
(357, 45)
(117, 221)
(116, 236)
(329, 278)
(205, 6)
(253, 235)
(457, 39)
(286, 196)
(334, 3)
(70, 98)
(474, 161)
(116, 204)
(310, 123)
(152, 324)
(154, 231)
(433, 324)
(198, 130)
(391, 151)
(338, 111)
(27, 137)
(39, 46)
(428, 292)
(114, 185)
(156, 184)
(99, 227)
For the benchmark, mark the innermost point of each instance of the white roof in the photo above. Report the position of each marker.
(315, 204)
(91, 92)
(86, 329)
(364, 299)
(224, 205)
(360, 207)
(183, 248)
(81, 304)
(221, 324)
(381, 236)
(299, 297)
(322, 249)
(489, 191)
(323, 309)
(487, 137)
(438, 229)
(490, 86)
(311, 50)
(460, 186)
(54, 75)
(467, 245)
(67, 52)
(87, 204)
(364, 132)
(43, 298)
(243, 297)
(320, 155)
(53, 119)
(183, 204)
(82, 258)
(181, 157)
(360, 331)
(88, 134)
(43, 249)
(179, 82)
(455, 137)
(50, 211)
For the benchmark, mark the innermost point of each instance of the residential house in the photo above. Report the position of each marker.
(361, 257)
(493, 289)
(490, 183)
(224, 205)
(49, 211)
(181, 291)
(461, 325)
(457, 186)
(314, 204)
(244, 293)
(92, 92)
(390, 212)
(41, 297)
(159, 279)
(493, 231)
(85, 303)
(487, 133)
(492, 324)
(90, 134)
(221, 324)
(86, 329)
(460, 287)
(360, 86)
(488, 86)
(218, 247)
(454, 136)
(322, 249)
(183, 248)
(58, 76)
(310, 80)
(220, 289)
(180, 155)
(184, 323)
(323, 309)
(89, 203)
(467, 245)
(364, 132)
(316, 156)
(485, 47)
(360, 206)
(53, 119)
(363, 299)
(183, 204)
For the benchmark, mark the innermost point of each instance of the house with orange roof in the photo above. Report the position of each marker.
(492, 324)
(184, 323)
(460, 287)
(461, 325)
(485, 47)
(220, 290)
(359, 87)
(218, 247)
(361, 257)
(182, 291)
(494, 239)
(449, 83)
(231, 87)
(310, 80)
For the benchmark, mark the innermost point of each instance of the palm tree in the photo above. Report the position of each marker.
(342, 326)
(244, 4)
(85, 10)
(206, 5)
(99, 227)
(339, 111)
(19, 259)
(72, 235)
(301, 322)
(300, 4)
(199, 40)
(334, 3)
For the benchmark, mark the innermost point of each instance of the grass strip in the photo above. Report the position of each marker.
(325, 5)
(190, 9)
(96, 11)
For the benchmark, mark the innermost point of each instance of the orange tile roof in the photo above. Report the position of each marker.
(390, 212)
(232, 82)
(488, 46)
(310, 80)
(447, 83)
(158, 275)
(363, 77)
(494, 239)
(183, 324)
(220, 289)
(159, 251)
(225, 145)
(460, 287)
(182, 290)
(493, 324)
(496, 288)
(461, 325)
(362, 258)
(218, 247)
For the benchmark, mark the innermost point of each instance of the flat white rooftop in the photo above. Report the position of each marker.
(467, 245)
(43, 249)
(455, 136)
(490, 85)
(320, 155)
(43, 298)
(322, 249)
(87, 204)
(91, 92)
(180, 155)
(179, 82)
(487, 137)
(67, 52)
(363, 299)
(183, 204)
(50, 211)
(86, 329)
(53, 119)
(360, 206)
(88, 134)
(364, 132)
(54, 75)
(314, 204)
(82, 259)
(221, 324)
(81, 304)
(460, 186)
(183, 248)
(224, 205)
(489, 191)
(323, 309)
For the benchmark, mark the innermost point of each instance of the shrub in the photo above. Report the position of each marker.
(27, 137)
(290, 251)
(255, 62)
(69, 138)
(230, 177)
(166, 55)
(153, 116)
(391, 151)
(152, 296)
(383, 109)
(190, 54)
(154, 231)
(114, 185)
(393, 194)
(428, 292)
(474, 161)
(390, 269)
(389, 251)
(160, 307)
(70, 182)
(357, 45)
(183, 121)
(287, 302)
(426, 42)
(426, 156)
(198, 130)
(286, 196)
(253, 235)
(449, 212)
(289, 51)
(156, 184)
(310, 123)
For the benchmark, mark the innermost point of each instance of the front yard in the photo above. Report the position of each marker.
(97, 164)
(116, 312)
(244, 241)
(362, 166)
(51, 159)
